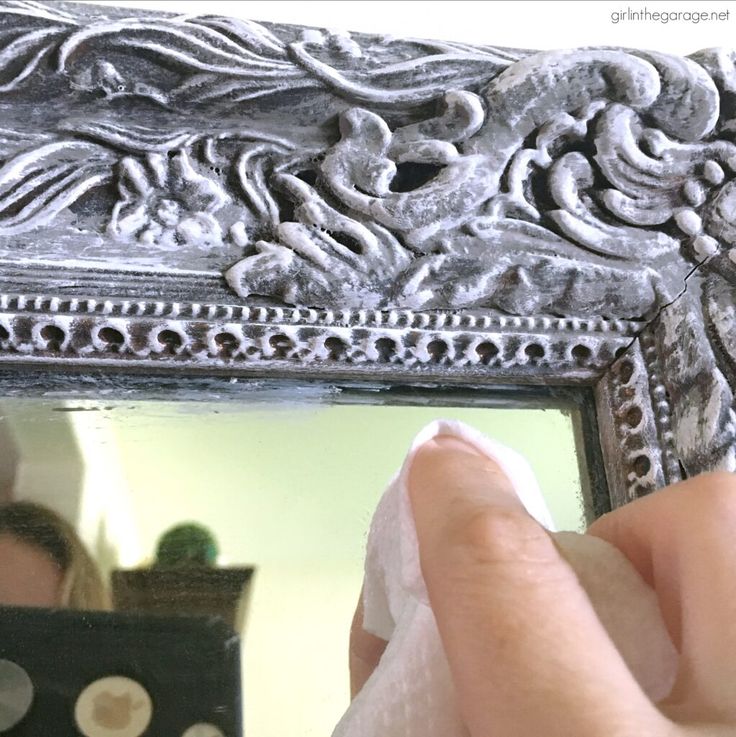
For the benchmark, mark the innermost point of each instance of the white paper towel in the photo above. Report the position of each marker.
(410, 694)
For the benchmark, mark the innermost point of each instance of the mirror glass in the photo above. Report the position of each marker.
(286, 489)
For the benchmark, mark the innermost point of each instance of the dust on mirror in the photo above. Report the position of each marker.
(256, 513)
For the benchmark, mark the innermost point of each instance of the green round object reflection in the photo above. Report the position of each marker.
(188, 544)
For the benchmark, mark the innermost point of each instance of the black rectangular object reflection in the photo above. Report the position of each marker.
(190, 667)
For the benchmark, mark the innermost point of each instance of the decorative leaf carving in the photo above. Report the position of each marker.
(521, 285)
(25, 43)
(489, 241)
(137, 139)
(193, 45)
(36, 186)
(29, 48)
(167, 203)
(42, 11)
(323, 257)
(422, 79)
(225, 59)
(459, 175)
(360, 168)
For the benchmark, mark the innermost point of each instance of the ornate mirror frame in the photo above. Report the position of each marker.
(202, 200)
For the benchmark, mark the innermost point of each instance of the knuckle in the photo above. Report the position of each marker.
(724, 481)
(707, 503)
(716, 490)
(719, 495)
(502, 536)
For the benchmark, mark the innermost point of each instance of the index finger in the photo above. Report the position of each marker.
(527, 653)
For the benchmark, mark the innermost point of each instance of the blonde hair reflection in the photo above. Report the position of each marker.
(82, 583)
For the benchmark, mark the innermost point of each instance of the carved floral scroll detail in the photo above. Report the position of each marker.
(167, 202)
(568, 183)
(623, 204)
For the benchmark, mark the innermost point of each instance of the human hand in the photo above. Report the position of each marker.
(528, 654)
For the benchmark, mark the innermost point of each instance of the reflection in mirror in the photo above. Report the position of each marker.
(286, 491)
(44, 562)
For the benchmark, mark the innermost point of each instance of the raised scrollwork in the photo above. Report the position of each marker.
(482, 177)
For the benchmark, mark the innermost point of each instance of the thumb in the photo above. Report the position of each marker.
(527, 653)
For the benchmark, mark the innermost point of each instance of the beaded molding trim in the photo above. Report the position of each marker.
(169, 334)
(635, 418)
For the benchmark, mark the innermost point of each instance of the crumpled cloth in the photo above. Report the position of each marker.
(410, 693)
